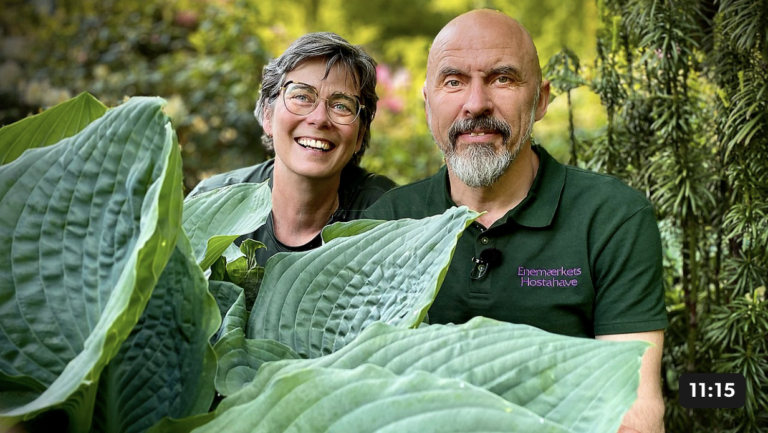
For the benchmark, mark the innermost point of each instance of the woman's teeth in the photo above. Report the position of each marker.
(314, 144)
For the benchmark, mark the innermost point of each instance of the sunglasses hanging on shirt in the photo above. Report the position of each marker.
(489, 258)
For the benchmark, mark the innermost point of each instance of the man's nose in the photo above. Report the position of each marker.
(478, 101)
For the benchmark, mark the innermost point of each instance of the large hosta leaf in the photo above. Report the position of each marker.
(371, 399)
(215, 218)
(318, 301)
(240, 358)
(49, 127)
(583, 384)
(234, 314)
(87, 226)
(166, 367)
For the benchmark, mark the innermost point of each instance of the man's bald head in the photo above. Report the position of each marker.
(484, 29)
(483, 94)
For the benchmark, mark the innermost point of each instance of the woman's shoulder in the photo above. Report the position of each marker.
(254, 174)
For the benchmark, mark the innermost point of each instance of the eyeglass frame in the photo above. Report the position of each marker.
(317, 102)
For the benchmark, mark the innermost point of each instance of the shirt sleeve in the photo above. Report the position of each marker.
(629, 279)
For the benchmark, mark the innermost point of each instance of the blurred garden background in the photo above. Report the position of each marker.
(669, 95)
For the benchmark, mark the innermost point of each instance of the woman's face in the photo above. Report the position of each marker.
(313, 146)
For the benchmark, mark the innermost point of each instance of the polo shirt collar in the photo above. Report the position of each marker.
(537, 209)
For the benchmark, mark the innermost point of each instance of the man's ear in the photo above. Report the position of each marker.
(541, 107)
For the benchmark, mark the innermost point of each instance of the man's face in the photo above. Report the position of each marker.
(481, 94)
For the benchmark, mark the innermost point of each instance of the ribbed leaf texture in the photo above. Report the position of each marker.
(318, 301)
(166, 367)
(585, 385)
(240, 359)
(215, 218)
(87, 226)
(372, 399)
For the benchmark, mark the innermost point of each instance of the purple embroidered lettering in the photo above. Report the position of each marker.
(550, 277)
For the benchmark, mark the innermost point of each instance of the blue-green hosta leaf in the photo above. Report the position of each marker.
(583, 384)
(214, 219)
(49, 127)
(240, 358)
(319, 300)
(166, 367)
(87, 226)
(372, 399)
(225, 293)
(341, 230)
(236, 315)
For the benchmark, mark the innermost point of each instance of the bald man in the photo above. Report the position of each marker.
(560, 248)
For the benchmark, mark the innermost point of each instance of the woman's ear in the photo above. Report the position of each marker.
(267, 124)
(360, 136)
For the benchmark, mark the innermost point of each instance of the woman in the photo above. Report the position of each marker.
(316, 106)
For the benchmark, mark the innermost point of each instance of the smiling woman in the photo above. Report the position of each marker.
(314, 176)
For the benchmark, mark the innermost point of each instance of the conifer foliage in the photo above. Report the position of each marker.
(685, 87)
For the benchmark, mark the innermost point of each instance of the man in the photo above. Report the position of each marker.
(563, 249)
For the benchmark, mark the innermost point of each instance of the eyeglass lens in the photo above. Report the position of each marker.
(301, 99)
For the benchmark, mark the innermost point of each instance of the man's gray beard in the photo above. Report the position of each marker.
(478, 165)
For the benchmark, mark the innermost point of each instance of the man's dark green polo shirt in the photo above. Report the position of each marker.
(581, 254)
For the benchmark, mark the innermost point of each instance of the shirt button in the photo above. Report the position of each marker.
(484, 240)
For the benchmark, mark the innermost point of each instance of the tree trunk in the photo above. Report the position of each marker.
(574, 158)
(690, 288)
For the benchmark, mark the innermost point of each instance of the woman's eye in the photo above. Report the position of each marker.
(338, 106)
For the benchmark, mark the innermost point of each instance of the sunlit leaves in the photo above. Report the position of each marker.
(49, 127)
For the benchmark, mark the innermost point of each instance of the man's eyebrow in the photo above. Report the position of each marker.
(450, 70)
(507, 70)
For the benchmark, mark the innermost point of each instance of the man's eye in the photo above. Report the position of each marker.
(504, 80)
(453, 83)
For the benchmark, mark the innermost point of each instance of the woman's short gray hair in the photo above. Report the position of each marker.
(335, 50)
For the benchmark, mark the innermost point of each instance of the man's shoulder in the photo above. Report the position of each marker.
(253, 174)
(355, 178)
(407, 201)
(360, 189)
(588, 186)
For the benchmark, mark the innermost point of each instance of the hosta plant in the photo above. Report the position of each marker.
(122, 307)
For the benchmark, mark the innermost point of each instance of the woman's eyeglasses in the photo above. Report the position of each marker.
(301, 99)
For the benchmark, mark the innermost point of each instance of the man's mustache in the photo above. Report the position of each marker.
(486, 123)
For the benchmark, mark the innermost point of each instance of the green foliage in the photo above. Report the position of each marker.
(58, 123)
(214, 219)
(317, 301)
(135, 390)
(107, 323)
(529, 368)
(372, 399)
(90, 223)
(684, 87)
(206, 59)
(563, 72)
